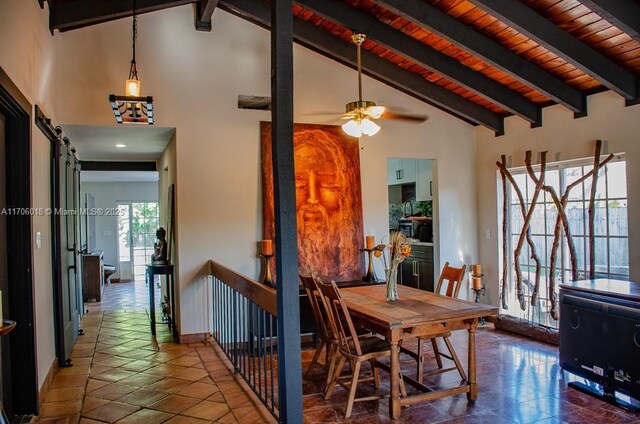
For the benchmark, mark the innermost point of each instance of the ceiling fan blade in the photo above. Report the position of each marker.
(417, 119)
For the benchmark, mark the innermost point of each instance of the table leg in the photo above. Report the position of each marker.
(472, 395)
(173, 304)
(152, 302)
(394, 402)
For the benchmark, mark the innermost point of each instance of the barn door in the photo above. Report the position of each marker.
(66, 193)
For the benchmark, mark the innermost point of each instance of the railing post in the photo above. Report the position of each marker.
(289, 360)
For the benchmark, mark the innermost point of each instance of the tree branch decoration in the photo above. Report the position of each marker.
(526, 230)
(562, 223)
(505, 231)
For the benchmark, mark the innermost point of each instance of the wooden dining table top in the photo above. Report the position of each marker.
(414, 307)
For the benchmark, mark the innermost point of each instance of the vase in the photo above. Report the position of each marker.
(392, 283)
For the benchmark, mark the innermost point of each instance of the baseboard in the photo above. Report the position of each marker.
(193, 338)
(53, 370)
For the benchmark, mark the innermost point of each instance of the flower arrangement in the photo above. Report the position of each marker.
(398, 250)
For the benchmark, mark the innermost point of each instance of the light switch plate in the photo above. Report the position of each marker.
(38, 240)
(487, 234)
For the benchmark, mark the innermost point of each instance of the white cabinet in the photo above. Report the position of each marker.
(401, 171)
(424, 180)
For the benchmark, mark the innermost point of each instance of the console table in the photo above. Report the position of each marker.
(600, 336)
(92, 276)
(152, 271)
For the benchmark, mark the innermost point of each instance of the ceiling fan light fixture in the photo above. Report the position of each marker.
(369, 127)
(360, 126)
(352, 128)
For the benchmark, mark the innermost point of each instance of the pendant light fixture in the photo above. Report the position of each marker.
(133, 108)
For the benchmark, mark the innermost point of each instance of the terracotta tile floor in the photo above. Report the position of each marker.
(121, 374)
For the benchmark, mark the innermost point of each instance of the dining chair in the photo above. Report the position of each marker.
(326, 338)
(452, 278)
(352, 348)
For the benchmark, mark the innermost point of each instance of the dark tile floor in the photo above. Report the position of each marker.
(122, 374)
(520, 381)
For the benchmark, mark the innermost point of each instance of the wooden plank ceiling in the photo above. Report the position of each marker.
(480, 60)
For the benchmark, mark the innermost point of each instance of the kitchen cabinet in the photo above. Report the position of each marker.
(417, 270)
(424, 180)
(401, 171)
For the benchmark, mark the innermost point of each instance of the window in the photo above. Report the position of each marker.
(610, 228)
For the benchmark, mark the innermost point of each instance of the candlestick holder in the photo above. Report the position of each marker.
(370, 276)
(478, 292)
(267, 280)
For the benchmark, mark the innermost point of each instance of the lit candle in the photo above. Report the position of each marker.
(370, 242)
(267, 247)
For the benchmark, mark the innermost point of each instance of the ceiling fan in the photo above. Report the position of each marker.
(361, 114)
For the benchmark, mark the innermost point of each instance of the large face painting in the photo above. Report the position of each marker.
(328, 199)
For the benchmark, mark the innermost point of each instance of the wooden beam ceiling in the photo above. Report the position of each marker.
(343, 14)
(74, 14)
(531, 24)
(321, 41)
(624, 14)
(491, 51)
(204, 12)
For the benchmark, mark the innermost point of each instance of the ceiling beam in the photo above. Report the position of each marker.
(623, 14)
(74, 14)
(549, 35)
(321, 41)
(494, 53)
(204, 13)
(341, 13)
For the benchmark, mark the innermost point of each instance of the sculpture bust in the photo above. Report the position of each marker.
(159, 256)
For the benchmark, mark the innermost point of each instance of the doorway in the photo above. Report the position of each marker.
(137, 225)
(18, 349)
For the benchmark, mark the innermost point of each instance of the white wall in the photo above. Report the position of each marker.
(564, 138)
(27, 55)
(107, 196)
(195, 78)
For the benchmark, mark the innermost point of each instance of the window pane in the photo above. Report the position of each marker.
(576, 216)
(618, 223)
(552, 178)
(552, 216)
(619, 256)
(537, 223)
(571, 175)
(617, 179)
(516, 219)
(578, 243)
(601, 257)
(600, 219)
(520, 180)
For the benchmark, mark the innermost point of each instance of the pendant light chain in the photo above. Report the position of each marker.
(133, 71)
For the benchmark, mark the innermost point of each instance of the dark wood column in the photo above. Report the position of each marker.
(286, 246)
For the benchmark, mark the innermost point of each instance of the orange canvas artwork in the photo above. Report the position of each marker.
(328, 199)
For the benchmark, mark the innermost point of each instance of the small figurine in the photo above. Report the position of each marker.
(159, 256)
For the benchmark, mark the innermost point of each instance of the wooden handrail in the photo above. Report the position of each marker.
(261, 295)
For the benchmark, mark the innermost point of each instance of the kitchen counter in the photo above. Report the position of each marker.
(420, 243)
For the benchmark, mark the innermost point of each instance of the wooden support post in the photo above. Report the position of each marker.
(286, 247)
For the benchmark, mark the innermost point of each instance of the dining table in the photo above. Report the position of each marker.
(416, 313)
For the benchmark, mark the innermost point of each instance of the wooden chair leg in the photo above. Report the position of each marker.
(452, 352)
(420, 360)
(376, 376)
(434, 343)
(316, 356)
(352, 389)
(334, 377)
(332, 355)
